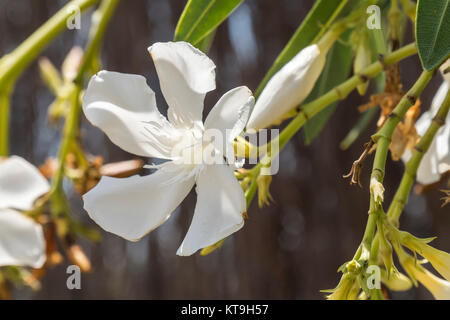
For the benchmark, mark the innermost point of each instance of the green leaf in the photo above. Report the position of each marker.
(201, 17)
(433, 32)
(336, 70)
(206, 43)
(321, 15)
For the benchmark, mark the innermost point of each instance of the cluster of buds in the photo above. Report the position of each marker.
(61, 83)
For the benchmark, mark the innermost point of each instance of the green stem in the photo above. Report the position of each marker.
(411, 167)
(14, 63)
(101, 19)
(5, 96)
(383, 139)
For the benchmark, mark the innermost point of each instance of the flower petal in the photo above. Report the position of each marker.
(124, 107)
(427, 172)
(231, 112)
(132, 207)
(21, 240)
(21, 184)
(287, 88)
(219, 209)
(185, 74)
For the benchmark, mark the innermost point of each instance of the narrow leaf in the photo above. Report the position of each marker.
(433, 32)
(201, 17)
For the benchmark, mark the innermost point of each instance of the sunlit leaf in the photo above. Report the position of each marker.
(201, 17)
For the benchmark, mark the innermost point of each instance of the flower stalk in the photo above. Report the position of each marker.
(383, 138)
(14, 63)
(401, 196)
(5, 96)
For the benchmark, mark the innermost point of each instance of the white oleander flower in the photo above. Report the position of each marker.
(288, 87)
(21, 238)
(436, 160)
(124, 107)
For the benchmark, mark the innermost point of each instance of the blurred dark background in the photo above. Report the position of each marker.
(289, 250)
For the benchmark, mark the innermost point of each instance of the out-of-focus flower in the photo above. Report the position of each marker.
(288, 87)
(436, 160)
(396, 281)
(439, 259)
(343, 289)
(439, 288)
(78, 257)
(60, 83)
(124, 107)
(363, 57)
(21, 238)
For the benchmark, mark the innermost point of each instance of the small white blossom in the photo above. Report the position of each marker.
(21, 238)
(124, 107)
(377, 190)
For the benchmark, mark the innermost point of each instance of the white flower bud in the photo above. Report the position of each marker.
(288, 87)
(377, 190)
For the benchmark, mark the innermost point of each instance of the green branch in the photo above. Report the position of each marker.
(411, 167)
(14, 63)
(5, 96)
(383, 139)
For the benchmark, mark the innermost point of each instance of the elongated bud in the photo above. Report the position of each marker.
(439, 288)
(440, 260)
(362, 60)
(50, 75)
(354, 292)
(386, 255)
(71, 63)
(264, 196)
(288, 87)
(396, 281)
(78, 257)
(293, 82)
(343, 289)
